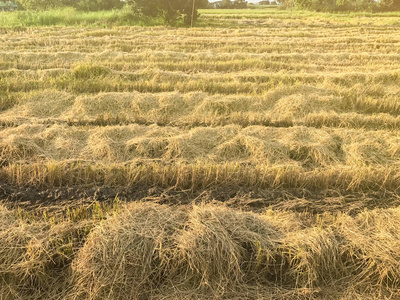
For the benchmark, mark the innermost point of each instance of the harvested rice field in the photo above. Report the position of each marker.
(255, 156)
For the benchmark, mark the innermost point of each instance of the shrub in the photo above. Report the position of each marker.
(88, 5)
(169, 10)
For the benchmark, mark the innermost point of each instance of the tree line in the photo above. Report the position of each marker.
(232, 4)
(343, 5)
(172, 11)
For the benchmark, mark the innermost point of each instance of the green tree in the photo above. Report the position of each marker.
(239, 4)
(169, 10)
(39, 4)
(226, 4)
(390, 4)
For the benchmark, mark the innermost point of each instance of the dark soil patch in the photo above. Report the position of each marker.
(298, 200)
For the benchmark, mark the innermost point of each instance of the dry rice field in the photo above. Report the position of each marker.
(254, 157)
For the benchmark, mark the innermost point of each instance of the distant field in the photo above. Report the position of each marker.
(289, 118)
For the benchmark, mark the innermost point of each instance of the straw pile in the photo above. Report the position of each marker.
(300, 145)
(151, 251)
(131, 255)
(35, 256)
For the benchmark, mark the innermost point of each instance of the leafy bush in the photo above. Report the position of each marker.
(94, 5)
(88, 5)
(390, 4)
(169, 10)
(38, 4)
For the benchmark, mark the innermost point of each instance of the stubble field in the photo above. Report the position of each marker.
(256, 156)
